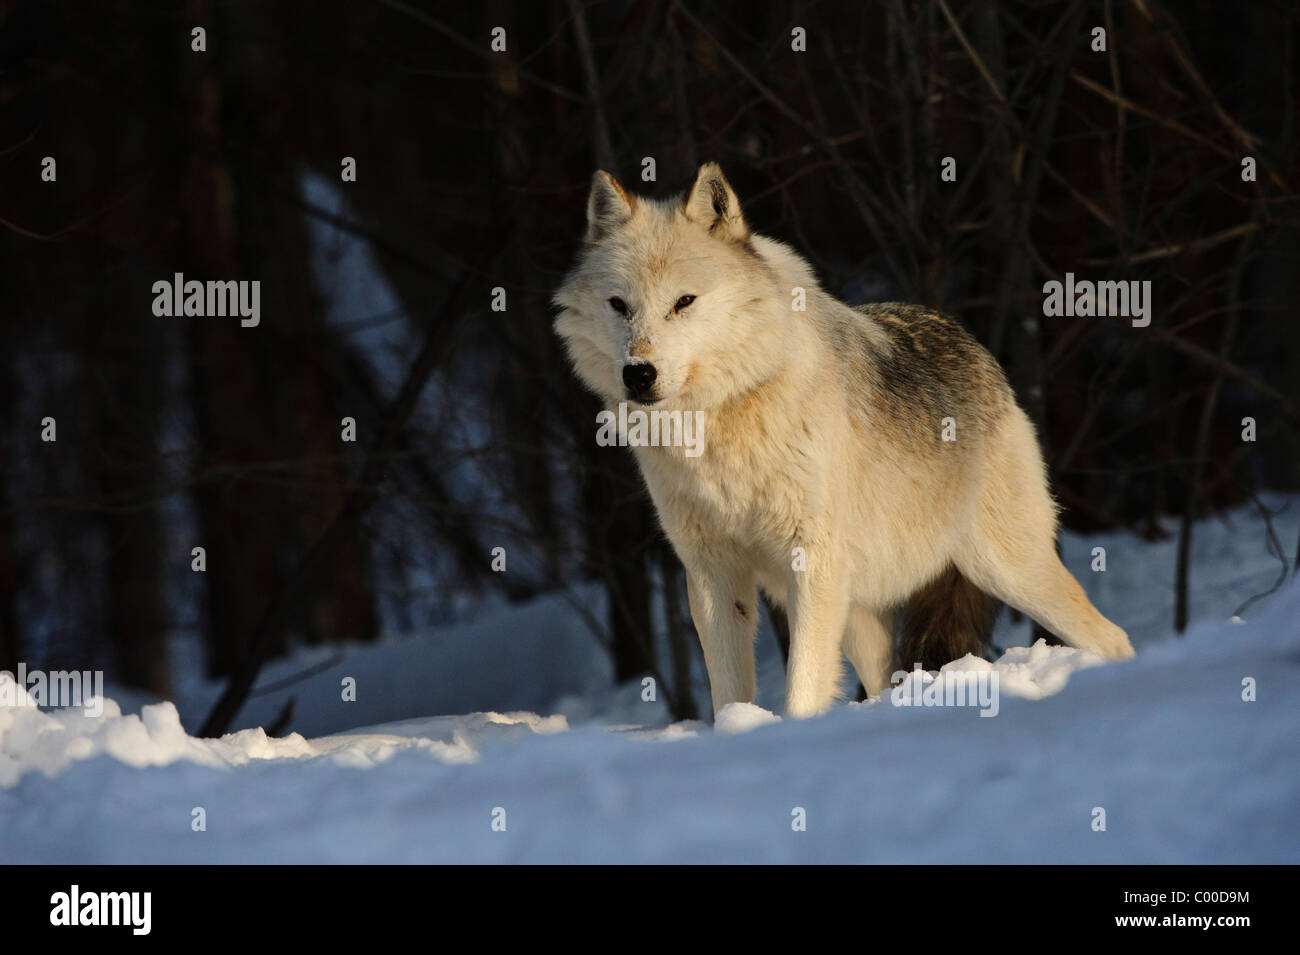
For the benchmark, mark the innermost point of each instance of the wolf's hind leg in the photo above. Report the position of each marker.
(869, 645)
(1010, 550)
(724, 608)
(1041, 587)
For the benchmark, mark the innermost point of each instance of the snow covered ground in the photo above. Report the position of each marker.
(1184, 768)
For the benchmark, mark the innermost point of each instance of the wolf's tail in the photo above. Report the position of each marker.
(946, 619)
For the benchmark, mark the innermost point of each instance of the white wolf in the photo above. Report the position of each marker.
(858, 464)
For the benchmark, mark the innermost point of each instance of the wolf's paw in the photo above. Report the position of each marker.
(1114, 644)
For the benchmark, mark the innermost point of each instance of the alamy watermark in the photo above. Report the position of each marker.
(214, 299)
(976, 688)
(133, 910)
(1131, 299)
(54, 688)
(651, 429)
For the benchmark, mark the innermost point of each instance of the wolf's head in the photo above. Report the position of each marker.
(672, 303)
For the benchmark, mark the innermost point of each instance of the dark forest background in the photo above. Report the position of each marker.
(472, 170)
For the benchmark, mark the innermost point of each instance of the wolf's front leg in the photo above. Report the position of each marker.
(724, 608)
(819, 608)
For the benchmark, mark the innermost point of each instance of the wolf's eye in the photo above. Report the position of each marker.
(683, 302)
(618, 305)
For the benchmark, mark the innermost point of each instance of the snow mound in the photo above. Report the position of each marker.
(1027, 672)
(32, 739)
(743, 717)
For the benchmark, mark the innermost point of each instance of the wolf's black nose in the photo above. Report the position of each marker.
(639, 379)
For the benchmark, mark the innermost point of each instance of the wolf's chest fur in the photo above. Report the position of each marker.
(765, 456)
(745, 486)
(792, 464)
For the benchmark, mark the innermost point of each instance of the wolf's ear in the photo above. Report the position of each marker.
(712, 204)
(608, 206)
